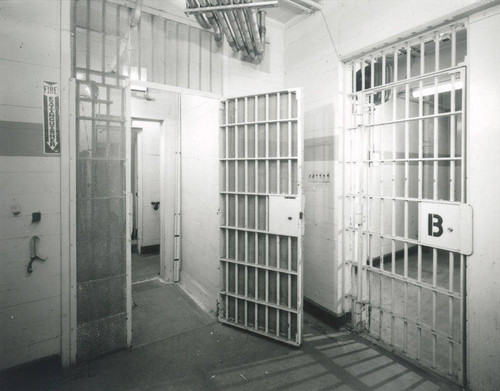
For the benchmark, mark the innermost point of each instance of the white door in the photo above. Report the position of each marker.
(261, 223)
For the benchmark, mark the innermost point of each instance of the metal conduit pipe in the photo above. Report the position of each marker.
(201, 18)
(254, 26)
(234, 26)
(243, 26)
(242, 18)
(214, 23)
(262, 31)
(225, 27)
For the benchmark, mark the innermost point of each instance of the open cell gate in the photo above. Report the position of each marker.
(261, 220)
(406, 220)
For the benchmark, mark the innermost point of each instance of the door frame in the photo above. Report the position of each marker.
(140, 187)
(167, 181)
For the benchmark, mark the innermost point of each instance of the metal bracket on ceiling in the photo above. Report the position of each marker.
(307, 6)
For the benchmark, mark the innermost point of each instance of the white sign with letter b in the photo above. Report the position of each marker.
(445, 226)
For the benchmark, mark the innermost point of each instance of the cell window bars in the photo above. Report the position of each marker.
(261, 165)
(406, 145)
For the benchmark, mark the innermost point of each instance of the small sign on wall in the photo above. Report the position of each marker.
(51, 125)
(446, 226)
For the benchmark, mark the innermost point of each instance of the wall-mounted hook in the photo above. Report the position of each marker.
(156, 205)
(34, 256)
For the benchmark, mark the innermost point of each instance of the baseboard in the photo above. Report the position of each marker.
(153, 249)
(325, 315)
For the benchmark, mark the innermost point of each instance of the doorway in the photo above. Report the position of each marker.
(146, 196)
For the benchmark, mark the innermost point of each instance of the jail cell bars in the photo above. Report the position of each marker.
(101, 243)
(405, 145)
(161, 50)
(261, 272)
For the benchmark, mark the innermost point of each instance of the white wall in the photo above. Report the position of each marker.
(311, 65)
(483, 267)
(30, 304)
(200, 199)
(244, 78)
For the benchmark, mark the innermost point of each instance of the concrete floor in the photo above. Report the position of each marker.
(189, 350)
(145, 267)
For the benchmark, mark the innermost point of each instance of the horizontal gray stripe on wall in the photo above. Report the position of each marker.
(22, 139)
(319, 148)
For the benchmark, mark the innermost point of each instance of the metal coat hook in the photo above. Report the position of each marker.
(34, 256)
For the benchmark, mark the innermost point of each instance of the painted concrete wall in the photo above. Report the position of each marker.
(148, 160)
(200, 199)
(244, 78)
(30, 304)
(310, 64)
(483, 267)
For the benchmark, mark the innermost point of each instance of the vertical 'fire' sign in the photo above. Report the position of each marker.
(51, 128)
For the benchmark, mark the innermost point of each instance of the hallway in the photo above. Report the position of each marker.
(179, 347)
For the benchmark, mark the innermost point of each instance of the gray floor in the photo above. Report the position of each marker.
(155, 303)
(145, 267)
(191, 351)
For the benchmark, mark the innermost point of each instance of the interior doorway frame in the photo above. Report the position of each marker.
(168, 199)
(140, 188)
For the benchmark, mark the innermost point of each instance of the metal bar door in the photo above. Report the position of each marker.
(406, 149)
(261, 219)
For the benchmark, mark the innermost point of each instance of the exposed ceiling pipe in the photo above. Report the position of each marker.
(254, 26)
(243, 22)
(201, 18)
(234, 27)
(136, 16)
(224, 25)
(134, 22)
(212, 19)
(262, 32)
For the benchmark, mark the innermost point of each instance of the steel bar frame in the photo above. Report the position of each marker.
(102, 135)
(388, 166)
(261, 156)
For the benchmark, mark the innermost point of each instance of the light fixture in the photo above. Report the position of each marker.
(431, 90)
